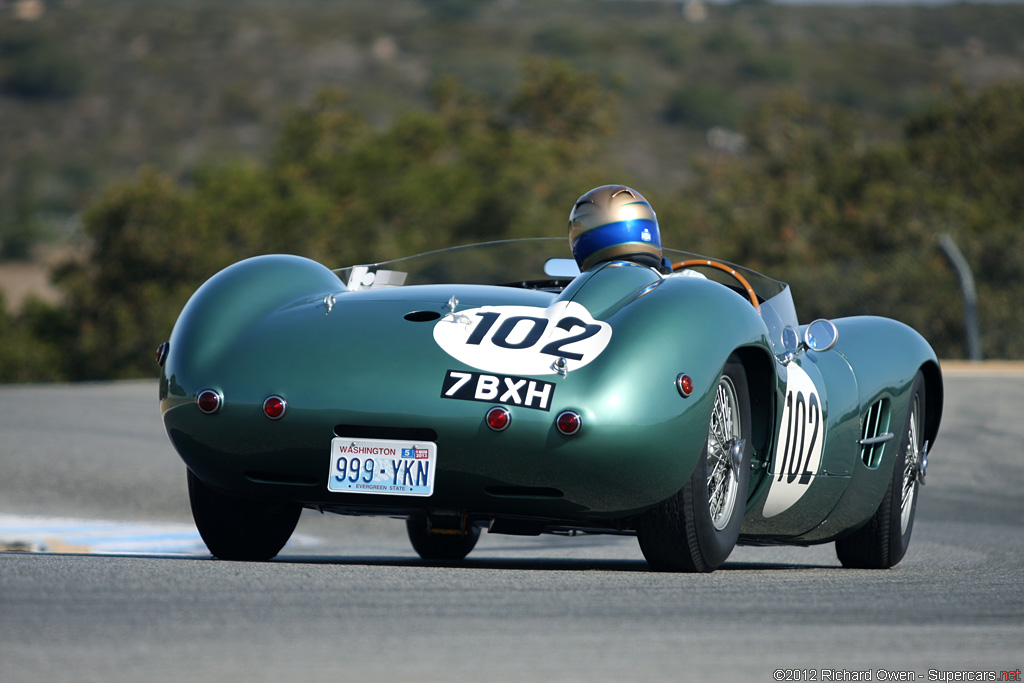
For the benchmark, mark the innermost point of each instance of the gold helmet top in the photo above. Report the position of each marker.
(614, 222)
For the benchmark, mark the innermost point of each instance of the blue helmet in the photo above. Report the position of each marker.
(614, 223)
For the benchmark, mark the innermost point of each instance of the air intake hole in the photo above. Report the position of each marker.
(422, 316)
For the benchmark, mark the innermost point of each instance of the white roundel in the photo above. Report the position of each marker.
(523, 340)
(798, 450)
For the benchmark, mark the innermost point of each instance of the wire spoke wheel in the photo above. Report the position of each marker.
(696, 529)
(883, 540)
(912, 457)
(723, 433)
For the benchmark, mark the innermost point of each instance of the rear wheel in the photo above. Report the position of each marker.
(696, 529)
(240, 528)
(440, 544)
(883, 541)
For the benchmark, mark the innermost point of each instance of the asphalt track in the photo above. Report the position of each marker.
(118, 589)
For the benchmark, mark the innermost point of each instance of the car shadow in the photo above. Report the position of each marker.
(509, 564)
(535, 564)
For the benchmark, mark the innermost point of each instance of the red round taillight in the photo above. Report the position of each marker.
(209, 401)
(684, 383)
(568, 422)
(498, 418)
(274, 407)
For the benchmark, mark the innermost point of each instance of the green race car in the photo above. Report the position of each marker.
(497, 387)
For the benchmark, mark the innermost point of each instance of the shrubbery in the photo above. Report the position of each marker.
(852, 226)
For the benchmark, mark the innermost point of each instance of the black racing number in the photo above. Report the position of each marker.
(482, 327)
(533, 335)
(538, 325)
(797, 418)
(804, 416)
(814, 418)
(500, 338)
(567, 324)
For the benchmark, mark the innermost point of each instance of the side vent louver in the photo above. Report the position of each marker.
(875, 433)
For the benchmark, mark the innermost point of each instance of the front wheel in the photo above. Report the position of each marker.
(883, 541)
(240, 528)
(696, 529)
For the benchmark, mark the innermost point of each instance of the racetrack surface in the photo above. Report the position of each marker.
(349, 600)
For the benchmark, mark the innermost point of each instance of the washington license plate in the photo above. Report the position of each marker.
(383, 467)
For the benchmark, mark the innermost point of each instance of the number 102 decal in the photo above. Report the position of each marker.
(799, 445)
(523, 340)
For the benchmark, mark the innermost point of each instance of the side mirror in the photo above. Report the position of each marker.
(821, 335)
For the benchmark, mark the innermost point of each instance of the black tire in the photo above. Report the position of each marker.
(443, 547)
(240, 528)
(883, 541)
(681, 534)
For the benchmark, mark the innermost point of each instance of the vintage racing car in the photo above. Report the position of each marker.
(497, 387)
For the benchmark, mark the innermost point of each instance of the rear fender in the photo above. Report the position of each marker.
(230, 302)
(685, 325)
(885, 355)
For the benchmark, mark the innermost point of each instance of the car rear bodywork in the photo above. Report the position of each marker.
(424, 363)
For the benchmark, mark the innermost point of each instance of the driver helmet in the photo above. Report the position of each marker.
(614, 223)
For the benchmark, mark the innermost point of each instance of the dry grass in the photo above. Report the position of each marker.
(20, 280)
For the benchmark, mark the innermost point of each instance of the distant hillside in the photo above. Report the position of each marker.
(145, 146)
(92, 89)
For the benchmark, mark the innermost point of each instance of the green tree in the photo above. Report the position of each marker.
(853, 227)
(143, 256)
(337, 190)
(26, 355)
(969, 152)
